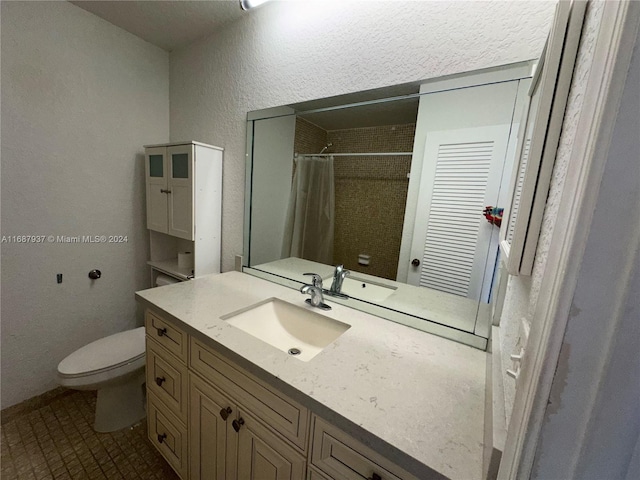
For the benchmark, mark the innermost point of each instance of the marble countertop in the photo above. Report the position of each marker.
(420, 394)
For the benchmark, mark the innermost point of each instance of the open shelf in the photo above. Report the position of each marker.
(170, 267)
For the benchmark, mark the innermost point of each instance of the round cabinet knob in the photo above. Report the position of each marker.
(161, 331)
(375, 476)
(237, 424)
(415, 262)
(95, 274)
(225, 412)
(159, 381)
(162, 437)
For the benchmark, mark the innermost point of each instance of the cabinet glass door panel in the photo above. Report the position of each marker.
(180, 165)
(156, 166)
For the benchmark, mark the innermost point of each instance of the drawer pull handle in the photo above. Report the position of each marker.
(162, 437)
(161, 331)
(159, 381)
(375, 476)
(237, 424)
(225, 412)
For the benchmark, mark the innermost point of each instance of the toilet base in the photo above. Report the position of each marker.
(120, 405)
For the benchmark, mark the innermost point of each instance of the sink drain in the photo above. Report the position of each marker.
(294, 351)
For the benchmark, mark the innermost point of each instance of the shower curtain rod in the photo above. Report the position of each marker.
(372, 154)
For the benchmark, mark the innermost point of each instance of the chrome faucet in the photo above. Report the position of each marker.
(315, 290)
(338, 277)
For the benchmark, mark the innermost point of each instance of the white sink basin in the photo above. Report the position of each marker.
(287, 326)
(364, 290)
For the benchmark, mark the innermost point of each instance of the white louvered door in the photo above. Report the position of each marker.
(460, 176)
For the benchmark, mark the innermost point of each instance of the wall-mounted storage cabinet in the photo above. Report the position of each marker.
(170, 189)
(184, 207)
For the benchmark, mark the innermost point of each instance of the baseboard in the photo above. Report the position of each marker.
(10, 413)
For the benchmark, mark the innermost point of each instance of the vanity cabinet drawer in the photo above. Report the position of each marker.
(170, 337)
(342, 457)
(167, 435)
(167, 379)
(282, 414)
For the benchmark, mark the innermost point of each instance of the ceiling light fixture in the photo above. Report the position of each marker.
(247, 4)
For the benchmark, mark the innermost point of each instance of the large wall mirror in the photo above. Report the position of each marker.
(541, 125)
(394, 184)
(405, 187)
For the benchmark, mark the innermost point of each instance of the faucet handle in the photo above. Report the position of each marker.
(316, 279)
(340, 271)
(316, 300)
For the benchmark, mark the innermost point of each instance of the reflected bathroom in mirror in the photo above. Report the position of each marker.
(394, 184)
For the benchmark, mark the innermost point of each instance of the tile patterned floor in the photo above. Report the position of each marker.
(53, 438)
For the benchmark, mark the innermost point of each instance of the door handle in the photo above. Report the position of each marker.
(162, 190)
(225, 412)
(237, 424)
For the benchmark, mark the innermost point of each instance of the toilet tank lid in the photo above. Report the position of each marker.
(105, 353)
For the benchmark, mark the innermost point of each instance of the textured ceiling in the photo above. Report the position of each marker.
(167, 24)
(174, 24)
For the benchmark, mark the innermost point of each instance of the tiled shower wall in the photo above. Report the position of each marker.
(309, 138)
(371, 191)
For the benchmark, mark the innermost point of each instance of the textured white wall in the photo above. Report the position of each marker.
(595, 392)
(287, 52)
(79, 99)
(522, 292)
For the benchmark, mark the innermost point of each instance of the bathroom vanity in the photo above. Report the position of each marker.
(381, 401)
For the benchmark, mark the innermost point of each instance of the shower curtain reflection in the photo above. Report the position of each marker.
(309, 225)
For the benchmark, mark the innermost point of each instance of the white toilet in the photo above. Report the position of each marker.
(114, 366)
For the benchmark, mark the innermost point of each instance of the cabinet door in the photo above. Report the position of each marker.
(315, 475)
(180, 181)
(208, 432)
(264, 456)
(156, 180)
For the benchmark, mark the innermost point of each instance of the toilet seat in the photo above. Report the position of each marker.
(109, 357)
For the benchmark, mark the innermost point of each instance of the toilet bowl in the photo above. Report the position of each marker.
(114, 366)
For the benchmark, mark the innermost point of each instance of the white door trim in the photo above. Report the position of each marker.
(605, 83)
